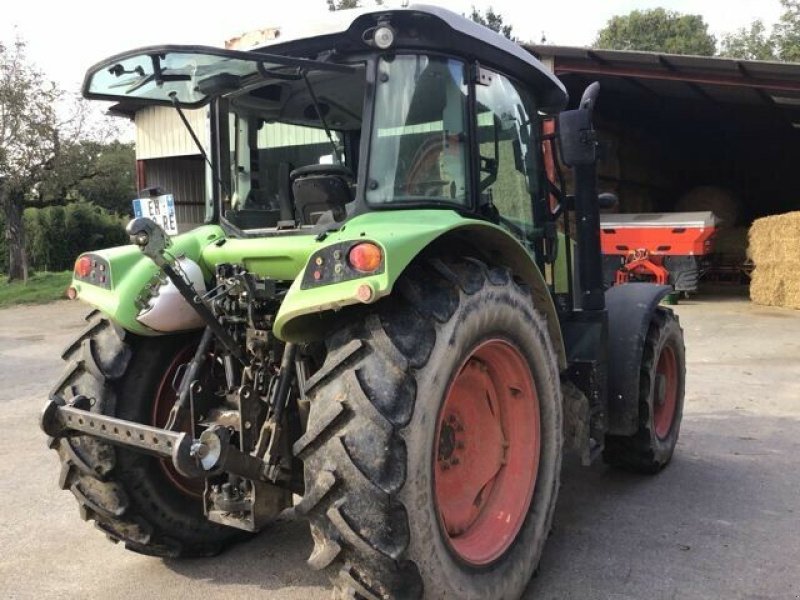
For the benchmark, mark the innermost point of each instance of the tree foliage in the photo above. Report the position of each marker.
(758, 43)
(99, 172)
(750, 43)
(49, 156)
(786, 34)
(657, 30)
(347, 4)
(55, 235)
(492, 20)
(29, 142)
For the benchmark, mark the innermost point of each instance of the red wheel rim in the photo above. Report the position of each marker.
(665, 399)
(486, 452)
(164, 401)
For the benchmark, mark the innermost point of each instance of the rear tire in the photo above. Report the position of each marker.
(662, 380)
(129, 495)
(372, 454)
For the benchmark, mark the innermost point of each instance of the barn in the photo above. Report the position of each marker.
(688, 133)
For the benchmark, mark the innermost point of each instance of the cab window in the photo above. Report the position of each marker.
(509, 178)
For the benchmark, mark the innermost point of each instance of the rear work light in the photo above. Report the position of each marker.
(83, 266)
(365, 257)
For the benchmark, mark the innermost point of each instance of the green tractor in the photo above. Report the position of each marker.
(384, 327)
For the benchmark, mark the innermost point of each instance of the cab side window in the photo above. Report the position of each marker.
(508, 163)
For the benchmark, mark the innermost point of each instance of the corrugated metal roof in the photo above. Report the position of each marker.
(726, 80)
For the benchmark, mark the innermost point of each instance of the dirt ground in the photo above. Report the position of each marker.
(720, 522)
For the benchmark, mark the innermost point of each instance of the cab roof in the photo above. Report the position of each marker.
(422, 27)
(152, 75)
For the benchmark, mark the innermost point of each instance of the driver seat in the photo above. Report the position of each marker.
(320, 189)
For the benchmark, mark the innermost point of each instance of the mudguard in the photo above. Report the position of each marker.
(630, 309)
(402, 235)
(131, 273)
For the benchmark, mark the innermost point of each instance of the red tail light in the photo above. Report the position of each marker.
(365, 257)
(83, 266)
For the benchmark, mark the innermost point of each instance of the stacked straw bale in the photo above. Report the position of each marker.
(775, 250)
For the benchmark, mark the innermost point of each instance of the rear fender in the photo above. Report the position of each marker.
(630, 310)
(131, 272)
(305, 313)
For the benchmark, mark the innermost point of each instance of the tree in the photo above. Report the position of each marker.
(45, 157)
(29, 142)
(786, 35)
(492, 20)
(753, 43)
(658, 30)
(347, 4)
(113, 181)
(102, 173)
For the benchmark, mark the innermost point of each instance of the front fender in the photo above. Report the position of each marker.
(630, 310)
(402, 235)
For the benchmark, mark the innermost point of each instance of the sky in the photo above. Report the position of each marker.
(65, 38)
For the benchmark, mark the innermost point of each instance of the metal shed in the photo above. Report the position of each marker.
(674, 122)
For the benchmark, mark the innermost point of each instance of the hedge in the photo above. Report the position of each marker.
(56, 235)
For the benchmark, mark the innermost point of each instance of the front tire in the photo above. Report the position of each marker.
(662, 384)
(390, 439)
(133, 498)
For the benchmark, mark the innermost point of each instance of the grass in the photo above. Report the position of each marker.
(40, 288)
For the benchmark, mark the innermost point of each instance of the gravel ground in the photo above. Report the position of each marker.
(720, 522)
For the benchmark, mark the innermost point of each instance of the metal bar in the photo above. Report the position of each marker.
(699, 78)
(59, 420)
(590, 257)
(285, 376)
(189, 377)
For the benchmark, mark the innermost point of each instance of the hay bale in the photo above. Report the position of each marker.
(775, 239)
(721, 202)
(776, 285)
(775, 250)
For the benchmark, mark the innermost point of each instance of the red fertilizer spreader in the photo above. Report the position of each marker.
(665, 248)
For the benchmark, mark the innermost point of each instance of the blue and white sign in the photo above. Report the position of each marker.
(160, 209)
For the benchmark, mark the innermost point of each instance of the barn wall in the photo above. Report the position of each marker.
(184, 178)
(161, 133)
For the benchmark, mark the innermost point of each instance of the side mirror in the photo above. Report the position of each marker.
(576, 135)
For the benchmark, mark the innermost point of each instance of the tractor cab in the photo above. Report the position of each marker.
(390, 112)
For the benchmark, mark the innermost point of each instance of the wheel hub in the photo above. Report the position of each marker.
(487, 452)
(162, 405)
(665, 392)
(451, 442)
